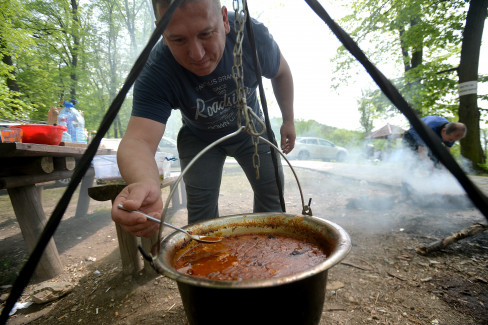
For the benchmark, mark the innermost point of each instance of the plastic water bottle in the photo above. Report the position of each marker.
(64, 118)
(74, 122)
(79, 127)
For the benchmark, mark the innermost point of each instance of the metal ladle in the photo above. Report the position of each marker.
(202, 239)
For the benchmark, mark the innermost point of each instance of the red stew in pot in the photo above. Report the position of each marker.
(249, 257)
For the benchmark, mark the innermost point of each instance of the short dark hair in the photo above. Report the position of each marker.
(455, 127)
(166, 3)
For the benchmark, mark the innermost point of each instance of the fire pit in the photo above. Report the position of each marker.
(438, 195)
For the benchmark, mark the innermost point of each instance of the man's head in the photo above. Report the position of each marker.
(160, 6)
(196, 34)
(453, 131)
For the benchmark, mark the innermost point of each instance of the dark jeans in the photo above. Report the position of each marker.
(203, 178)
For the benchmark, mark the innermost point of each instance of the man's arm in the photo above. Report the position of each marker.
(135, 157)
(283, 89)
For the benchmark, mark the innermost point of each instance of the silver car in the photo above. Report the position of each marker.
(307, 148)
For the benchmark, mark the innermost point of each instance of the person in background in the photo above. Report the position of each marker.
(448, 132)
(414, 171)
(191, 70)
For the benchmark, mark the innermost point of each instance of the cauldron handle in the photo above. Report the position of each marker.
(183, 172)
(146, 256)
(306, 208)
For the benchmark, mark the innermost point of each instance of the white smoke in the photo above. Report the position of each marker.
(424, 178)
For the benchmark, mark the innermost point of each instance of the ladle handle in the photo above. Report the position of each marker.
(120, 206)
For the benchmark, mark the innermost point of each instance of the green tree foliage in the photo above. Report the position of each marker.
(419, 40)
(436, 45)
(122, 29)
(107, 62)
(48, 63)
(341, 137)
(60, 49)
(14, 42)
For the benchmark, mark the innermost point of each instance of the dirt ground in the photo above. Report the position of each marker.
(382, 281)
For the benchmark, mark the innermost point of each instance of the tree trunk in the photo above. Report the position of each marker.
(7, 60)
(412, 58)
(75, 48)
(131, 10)
(114, 62)
(469, 113)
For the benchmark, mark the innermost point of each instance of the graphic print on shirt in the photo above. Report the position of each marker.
(219, 110)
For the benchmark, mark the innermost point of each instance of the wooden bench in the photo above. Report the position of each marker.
(128, 243)
(24, 168)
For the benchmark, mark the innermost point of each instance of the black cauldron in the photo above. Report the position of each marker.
(293, 299)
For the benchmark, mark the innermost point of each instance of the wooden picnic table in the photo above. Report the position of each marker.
(24, 167)
(128, 242)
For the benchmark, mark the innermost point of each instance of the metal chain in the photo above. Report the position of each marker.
(237, 69)
(244, 111)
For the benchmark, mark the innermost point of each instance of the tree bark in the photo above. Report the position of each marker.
(7, 60)
(75, 49)
(413, 57)
(469, 113)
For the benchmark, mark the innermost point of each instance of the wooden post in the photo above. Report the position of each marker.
(83, 198)
(40, 191)
(128, 242)
(128, 251)
(175, 200)
(30, 215)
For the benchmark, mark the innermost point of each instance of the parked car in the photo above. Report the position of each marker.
(317, 148)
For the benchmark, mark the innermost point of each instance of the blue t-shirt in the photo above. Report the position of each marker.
(435, 123)
(208, 104)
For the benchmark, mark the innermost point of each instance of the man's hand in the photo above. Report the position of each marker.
(138, 196)
(135, 158)
(288, 135)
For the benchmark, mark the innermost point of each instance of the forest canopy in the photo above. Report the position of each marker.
(71, 49)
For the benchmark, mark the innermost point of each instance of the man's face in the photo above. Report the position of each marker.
(455, 136)
(196, 36)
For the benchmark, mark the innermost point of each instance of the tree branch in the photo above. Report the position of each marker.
(448, 70)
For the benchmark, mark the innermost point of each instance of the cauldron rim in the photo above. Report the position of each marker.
(339, 239)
